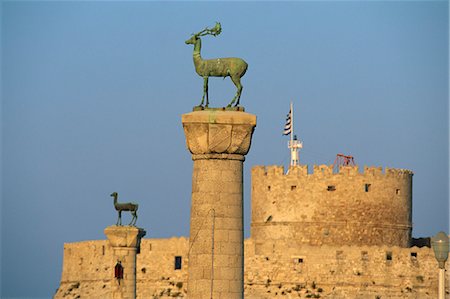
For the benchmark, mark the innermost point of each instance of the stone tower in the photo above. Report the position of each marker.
(218, 141)
(349, 207)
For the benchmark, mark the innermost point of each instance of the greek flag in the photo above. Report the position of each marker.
(288, 126)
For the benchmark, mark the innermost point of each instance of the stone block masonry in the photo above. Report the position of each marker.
(337, 272)
(88, 269)
(125, 242)
(218, 141)
(344, 208)
(313, 235)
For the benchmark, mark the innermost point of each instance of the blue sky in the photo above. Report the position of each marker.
(93, 92)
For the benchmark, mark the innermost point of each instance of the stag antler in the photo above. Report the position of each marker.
(214, 31)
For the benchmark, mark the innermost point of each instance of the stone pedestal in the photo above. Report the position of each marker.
(218, 141)
(125, 242)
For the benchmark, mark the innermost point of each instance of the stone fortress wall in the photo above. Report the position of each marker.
(344, 208)
(88, 265)
(356, 244)
(282, 271)
(86, 270)
(287, 271)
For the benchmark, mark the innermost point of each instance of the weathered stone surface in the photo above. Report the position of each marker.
(218, 132)
(124, 236)
(218, 141)
(346, 208)
(306, 241)
(338, 271)
(125, 242)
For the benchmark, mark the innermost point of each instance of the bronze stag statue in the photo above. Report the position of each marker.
(219, 67)
(127, 206)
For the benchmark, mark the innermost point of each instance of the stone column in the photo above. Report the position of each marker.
(218, 141)
(125, 242)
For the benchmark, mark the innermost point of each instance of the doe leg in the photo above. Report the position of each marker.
(119, 219)
(132, 219)
(135, 218)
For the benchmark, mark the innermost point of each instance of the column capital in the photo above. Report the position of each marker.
(218, 132)
(218, 157)
(124, 236)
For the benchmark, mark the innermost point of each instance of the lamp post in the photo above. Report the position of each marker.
(440, 244)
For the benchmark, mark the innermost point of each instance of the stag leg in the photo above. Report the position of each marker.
(203, 98)
(205, 91)
(237, 82)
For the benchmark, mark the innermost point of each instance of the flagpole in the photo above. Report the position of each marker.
(293, 144)
(292, 122)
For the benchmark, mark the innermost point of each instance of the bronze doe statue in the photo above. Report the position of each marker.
(127, 206)
(219, 67)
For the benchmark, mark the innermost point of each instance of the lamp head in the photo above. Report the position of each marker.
(440, 245)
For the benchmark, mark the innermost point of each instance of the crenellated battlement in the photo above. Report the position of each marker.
(398, 172)
(372, 206)
(327, 170)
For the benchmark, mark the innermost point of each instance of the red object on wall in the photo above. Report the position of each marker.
(118, 270)
(343, 160)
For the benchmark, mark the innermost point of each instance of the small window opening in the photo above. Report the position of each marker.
(298, 264)
(103, 249)
(331, 188)
(367, 187)
(268, 188)
(364, 256)
(177, 262)
(293, 188)
(413, 256)
(397, 191)
(389, 256)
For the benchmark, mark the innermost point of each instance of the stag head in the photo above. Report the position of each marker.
(207, 31)
(192, 40)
